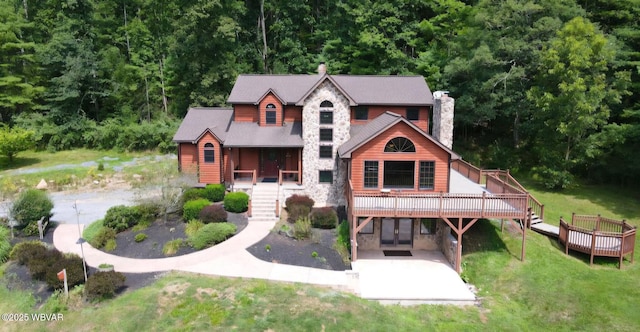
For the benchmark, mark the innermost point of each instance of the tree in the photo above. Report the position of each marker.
(574, 91)
(14, 140)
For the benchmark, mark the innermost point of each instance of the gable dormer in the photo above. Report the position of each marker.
(270, 110)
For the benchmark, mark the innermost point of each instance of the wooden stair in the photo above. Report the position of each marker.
(538, 225)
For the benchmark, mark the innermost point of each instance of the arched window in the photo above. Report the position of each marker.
(209, 153)
(271, 106)
(326, 104)
(399, 144)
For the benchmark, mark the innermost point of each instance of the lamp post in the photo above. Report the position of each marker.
(80, 241)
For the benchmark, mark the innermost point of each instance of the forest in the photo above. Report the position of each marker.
(549, 87)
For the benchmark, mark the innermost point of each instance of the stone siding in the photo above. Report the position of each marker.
(448, 244)
(443, 112)
(324, 193)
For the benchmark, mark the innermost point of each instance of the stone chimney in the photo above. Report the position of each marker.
(443, 118)
(322, 68)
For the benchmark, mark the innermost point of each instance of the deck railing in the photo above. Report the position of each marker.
(239, 172)
(399, 204)
(284, 175)
(598, 236)
(467, 170)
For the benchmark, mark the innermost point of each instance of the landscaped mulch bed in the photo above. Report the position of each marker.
(286, 250)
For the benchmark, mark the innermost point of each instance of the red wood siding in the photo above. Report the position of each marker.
(375, 111)
(226, 164)
(249, 159)
(425, 151)
(188, 155)
(245, 113)
(209, 172)
(270, 99)
(292, 114)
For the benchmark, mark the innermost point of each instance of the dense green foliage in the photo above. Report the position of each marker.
(103, 285)
(14, 140)
(324, 217)
(5, 245)
(121, 74)
(302, 228)
(44, 264)
(211, 234)
(122, 217)
(30, 206)
(236, 202)
(102, 237)
(214, 192)
(191, 209)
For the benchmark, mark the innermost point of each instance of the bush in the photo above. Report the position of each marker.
(214, 192)
(75, 271)
(31, 229)
(554, 179)
(302, 229)
(191, 209)
(140, 237)
(171, 248)
(5, 245)
(213, 213)
(344, 238)
(103, 285)
(299, 200)
(103, 236)
(23, 252)
(296, 212)
(30, 206)
(192, 194)
(122, 217)
(192, 227)
(325, 217)
(236, 202)
(148, 211)
(211, 234)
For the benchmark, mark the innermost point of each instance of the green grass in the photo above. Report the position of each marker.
(92, 230)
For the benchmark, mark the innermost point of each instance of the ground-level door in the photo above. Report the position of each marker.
(396, 232)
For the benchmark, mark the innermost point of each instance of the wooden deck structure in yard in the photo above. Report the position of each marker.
(504, 198)
(598, 236)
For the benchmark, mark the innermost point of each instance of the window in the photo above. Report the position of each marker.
(362, 113)
(209, 153)
(427, 226)
(368, 228)
(326, 151)
(326, 117)
(413, 114)
(326, 104)
(371, 174)
(271, 117)
(398, 174)
(427, 174)
(399, 144)
(325, 177)
(326, 135)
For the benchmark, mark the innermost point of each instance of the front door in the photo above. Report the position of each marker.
(396, 232)
(270, 164)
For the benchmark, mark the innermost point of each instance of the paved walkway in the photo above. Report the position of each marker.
(228, 258)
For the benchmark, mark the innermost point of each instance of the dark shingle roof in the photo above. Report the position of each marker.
(367, 132)
(250, 134)
(362, 90)
(199, 119)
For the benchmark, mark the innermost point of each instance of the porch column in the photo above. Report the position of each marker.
(299, 166)
(354, 243)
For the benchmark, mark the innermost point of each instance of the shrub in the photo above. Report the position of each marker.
(213, 213)
(299, 200)
(31, 229)
(344, 239)
(171, 248)
(30, 206)
(302, 229)
(140, 237)
(192, 227)
(41, 263)
(214, 192)
(555, 179)
(110, 245)
(191, 209)
(90, 232)
(122, 217)
(148, 210)
(325, 217)
(236, 202)
(5, 245)
(211, 234)
(25, 251)
(103, 285)
(75, 271)
(103, 236)
(192, 194)
(296, 212)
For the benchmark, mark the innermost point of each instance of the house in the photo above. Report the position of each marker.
(363, 142)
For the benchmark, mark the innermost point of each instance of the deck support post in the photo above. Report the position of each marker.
(354, 242)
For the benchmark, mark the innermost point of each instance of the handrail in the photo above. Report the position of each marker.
(534, 203)
(468, 170)
(282, 172)
(251, 171)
